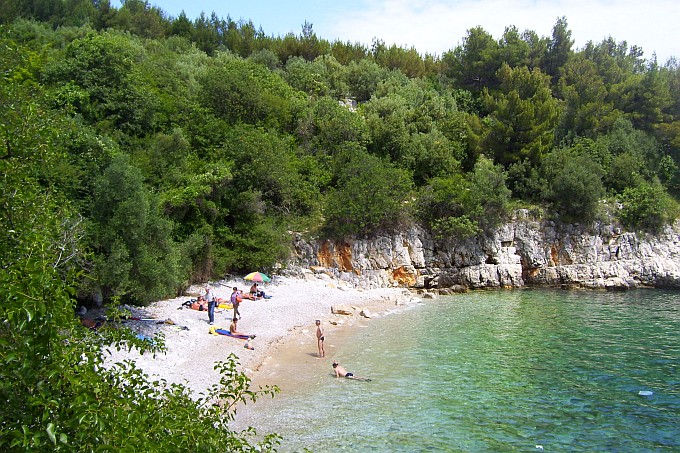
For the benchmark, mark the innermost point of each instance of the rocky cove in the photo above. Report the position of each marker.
(525, 251)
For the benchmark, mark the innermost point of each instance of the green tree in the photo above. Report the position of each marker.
(182, 26)
(559, 50)
(538, 49)
(410, 122)
(647, 206)
(311, 47)
(235, 210)
(242, 91)
(205, 35)
(627, 156)
(307, 76)
(473, 65)
(240, 37)
(669, 134)
(408, 61)
(346, 52)
(615, 62)
(135, 254)
(336, 76)
(574, 184)
(429, 155)
(523, 116)
(645, 98)
(671, 75)
(445, 206)
(140, 18)
(369, 195)
(526, 182)
(587, 111)
(326, 126)
(363, 78)
(266, 58)
(102, 73)
(513, 49)
(465, 205)
(490, 193)
(267, 163)
(388, 122)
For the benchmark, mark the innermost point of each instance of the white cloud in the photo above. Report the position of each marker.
(438, 26)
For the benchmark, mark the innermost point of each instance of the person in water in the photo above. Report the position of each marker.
(340, 371)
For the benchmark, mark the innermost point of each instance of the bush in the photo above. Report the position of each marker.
(490, 195)
(463, 206)
(135, 254)
(647, 207)
(370, 195)
(575, 184)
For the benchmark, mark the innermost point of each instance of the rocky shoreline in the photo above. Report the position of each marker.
(523, 252)
(339, 281)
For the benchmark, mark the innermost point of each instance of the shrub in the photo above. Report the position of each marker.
(647, 207)
(370, 195)
(575, 184)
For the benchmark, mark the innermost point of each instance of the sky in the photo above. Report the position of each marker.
(437, 26)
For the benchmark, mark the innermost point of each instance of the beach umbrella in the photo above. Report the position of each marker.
(257, 277)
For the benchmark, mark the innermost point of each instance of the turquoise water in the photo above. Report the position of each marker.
(525, 371)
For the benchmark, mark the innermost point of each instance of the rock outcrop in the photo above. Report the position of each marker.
(523, 252)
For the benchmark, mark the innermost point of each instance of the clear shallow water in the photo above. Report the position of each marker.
(528, 370)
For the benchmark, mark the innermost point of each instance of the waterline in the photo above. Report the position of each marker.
(496, 371)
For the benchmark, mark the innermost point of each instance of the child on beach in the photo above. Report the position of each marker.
(320, 338)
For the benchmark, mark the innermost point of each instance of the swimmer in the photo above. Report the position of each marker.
(340, 371)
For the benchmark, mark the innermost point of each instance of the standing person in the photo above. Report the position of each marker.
(320, 338)
(210, 298)
(235, 300)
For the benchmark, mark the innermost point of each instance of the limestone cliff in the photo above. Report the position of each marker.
(523, 252)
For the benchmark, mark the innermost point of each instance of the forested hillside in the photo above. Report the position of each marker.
(142, 152)
(177, 150)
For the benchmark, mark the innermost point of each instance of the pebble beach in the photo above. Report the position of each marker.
(287, 317)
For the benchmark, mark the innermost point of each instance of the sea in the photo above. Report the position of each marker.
(528, 370)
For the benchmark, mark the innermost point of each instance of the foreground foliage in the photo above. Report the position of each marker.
(56, 393)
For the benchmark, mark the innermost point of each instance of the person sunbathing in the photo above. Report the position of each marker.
(256, 292)
(233, 329)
